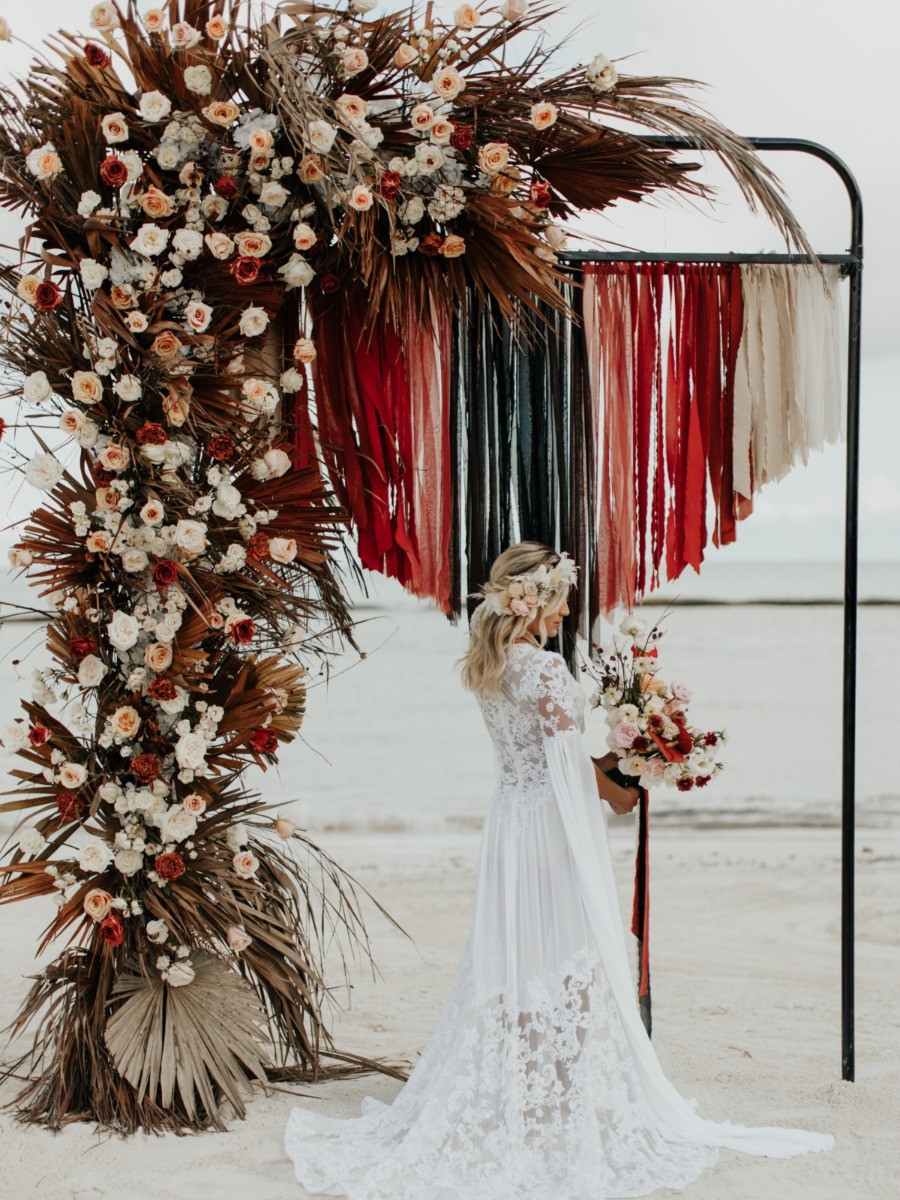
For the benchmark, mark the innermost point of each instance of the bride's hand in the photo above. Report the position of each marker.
(625, 802)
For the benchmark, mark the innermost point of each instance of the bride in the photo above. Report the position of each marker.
(539, 1081)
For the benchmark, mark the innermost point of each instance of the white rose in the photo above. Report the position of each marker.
(514, 10)
(219, 245)
(115, 128)
(36, 388)
(198, 80)
(104, 18)
(91, 670)
(184, 36)
(177, 825)
(134, 561)
(291, 380)
(157, 931)
(245, 864)
(128, 388)
(413, 210)
(278, 462)
(273, 195)
(297, 272)
(95, 856)
(180, 974)
(188, 242)
(601, 74)
(129, 862)
(227, 501)
(31, 841)
(44, 162)
(43, 471)
(20, 558)
(321, 136)
(88, 202)
(167, 156)
(93, 273)
(236, 837)
(283, 550)
(190, 536)
(150, 241)
(190, 751)
(253, 321)
(123, 630)
(154, 106)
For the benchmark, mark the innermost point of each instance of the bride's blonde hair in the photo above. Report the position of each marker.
(491, 634)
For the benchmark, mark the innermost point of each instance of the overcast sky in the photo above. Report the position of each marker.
(822, 70)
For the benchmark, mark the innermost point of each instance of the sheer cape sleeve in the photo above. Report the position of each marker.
(583, 819)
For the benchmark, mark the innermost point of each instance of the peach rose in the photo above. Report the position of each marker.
(114, 457)
(125, 721)
(216, 27)
(355, 60)
(155, 203)
(152, 512)
(166, 344)
(219, 245)
(72, 775)
(245, 864)
(283, 550)
(44, 163)
(97, 904)
(506, 182)
(304, 350)
(154, 20)
(453, 246)
(447, 83)
(122, 295)
(237, 937)
(422, 117)
(87, 387)
(652, 685)
(466, 17)
(176, 408)
(27, 288)
(361, 198)
(493, 157)
(198, 315)
(107, 499)
(72, 420)
(284, 827)
(405, 55)
(193, 804)
(543, 115)
(136, 321)
(98, 542)
(441, 131)
(260, 139)
(158, 656)
(304, 236)
(310, 169)
(351, 108)
(222, 113)
(251, 244)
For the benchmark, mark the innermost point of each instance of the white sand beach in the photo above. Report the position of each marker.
(393, 782)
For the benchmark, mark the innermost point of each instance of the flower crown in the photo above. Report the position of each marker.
(524, 593)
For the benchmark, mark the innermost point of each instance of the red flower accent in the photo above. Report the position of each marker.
(389, 184)
(245, 269)
(637, 652)
(169, 866)
(38, 735)
(151, 434)
(47, 295)
(329, 283)
(462, 136)
(702, 780)
(113, 171)
(711, 739)
(2, 428)
(541, 194)
(243, 631)
(81, 647)
(112, 931)
(684, 785)
(264, 740)
(226, 186)
(96, 56)
(220, 447)
(145, 768)
(640, 744)
(69, 805)
(258, 546)
(162, 689)
(102, 477)
(431, 244)
(165, 572)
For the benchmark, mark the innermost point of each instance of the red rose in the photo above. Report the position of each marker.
(264, 740)
(431, 244)
(111, 930)
(38, 735)
(244, 269)
(145, 768)
(461, 137)
(243, 631)
(113, 171)
(47, 295)
(151, 434)
(102, 477)
(69, 805)
(226, 186)
(258, 546)
(162, 689)
(220, 447)
(685, 784)
(81, 647)
(96, 56)
(165, 572)
(389, 184)
(329, 283)
(540, 194)
(169, 866)
(318, 246)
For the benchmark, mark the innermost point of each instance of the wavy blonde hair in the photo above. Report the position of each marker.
(492, 635)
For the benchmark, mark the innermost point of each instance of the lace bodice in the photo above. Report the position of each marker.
(539, 699)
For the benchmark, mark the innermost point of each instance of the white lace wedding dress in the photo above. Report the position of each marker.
(539, 1081)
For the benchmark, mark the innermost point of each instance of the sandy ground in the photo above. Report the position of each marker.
(393, 779)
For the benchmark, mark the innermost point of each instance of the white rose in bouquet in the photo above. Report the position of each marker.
(36, 388)
(190, 751)
(91, 670)
(93, 274)
(129, 862)
(190, 537)
(31, 841)
(43, 471)
(254, 321)
(150, 240)
(297, 272)
(188, 242)
(180, 974)
(123, 630)
(154, 106)
(198, 80)
(601, 74)
(95, 856)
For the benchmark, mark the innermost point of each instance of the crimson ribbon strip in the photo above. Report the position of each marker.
(640, 915)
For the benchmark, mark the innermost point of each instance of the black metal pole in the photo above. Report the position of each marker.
(852, 262)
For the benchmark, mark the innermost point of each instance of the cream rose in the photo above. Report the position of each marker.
(154, 107)
(91, 670)
(297, 272)
(115, 128)
(273, 195)
(115, 457)
(136, 321)
(150, 240)
(321, 136)
(198, 80)
(188, 243)
(122, 630)
(277, 462)
(190, 751)
(216, 27)
(158, 656)
(87, 387)
(97, 904)
(155, 203)
(304, 236)
(238, 938)
(36, 388)
(97, 542)
(44, 162)
(72, 775)
(194, 804)
(251, 244)
(254, 321)
(493, 157)
(283, 550)
(94, 857)
(27, 287)
(543, 115)
(422, 117)
(245, 864)
(284, 827)
(447, 83)
(134, 561)
(601, 74)
(304, 350)
(43, 471)
(405, 55)
(129, 862)
(466, 17)
(190, 537)
(361, 198)
(104, 18)
(125, 722)
(154, 20)
(107, 499)
(441, 131)
(222, 113)
(219, 245)
(310, 169)
(351, 108)
(197, 316)
(128, 388)
(183, 36)
(355, 60)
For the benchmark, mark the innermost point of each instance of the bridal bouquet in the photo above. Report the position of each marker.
(647, 717)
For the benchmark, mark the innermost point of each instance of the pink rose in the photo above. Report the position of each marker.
(625, 733)
(652, 770)
(519, 607)
(679, 692)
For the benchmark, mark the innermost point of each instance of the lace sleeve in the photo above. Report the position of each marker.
(556, 702)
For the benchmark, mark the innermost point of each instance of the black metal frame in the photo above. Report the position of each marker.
(852, 262)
